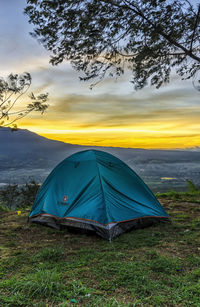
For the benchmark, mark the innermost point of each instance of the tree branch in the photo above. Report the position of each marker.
(6, 99)
(195, 26)
(166, 36)
(18, 85)
(158, 28)
(191, 7)
(17, 118)
(12, 105)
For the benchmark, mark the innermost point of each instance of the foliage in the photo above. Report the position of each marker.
(9, 195)
(12, 89)
(103, 37)
(16, 197)
(191, 186)
(4, 208)
(29, 191)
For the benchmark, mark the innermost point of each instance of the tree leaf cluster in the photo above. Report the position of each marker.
(12, 88)
(103, 38)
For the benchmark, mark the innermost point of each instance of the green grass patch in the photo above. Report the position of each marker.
(192, 196)
(49, 254)
(4, 208)
(42, 284)
(154, 266)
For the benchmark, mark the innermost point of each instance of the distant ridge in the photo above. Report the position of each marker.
(25, 154)
(23, 143)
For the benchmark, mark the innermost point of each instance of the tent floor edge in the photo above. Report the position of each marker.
(105, 231)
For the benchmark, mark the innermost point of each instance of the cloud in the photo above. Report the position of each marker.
(112, 112)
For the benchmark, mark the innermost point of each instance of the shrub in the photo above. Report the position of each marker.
(29, 192)
(191, 186)
(14, 196)
(10, 196)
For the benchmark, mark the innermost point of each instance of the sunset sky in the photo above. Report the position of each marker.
(112, 114)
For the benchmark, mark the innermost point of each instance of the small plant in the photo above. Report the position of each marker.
(191, 186)
(77, 289)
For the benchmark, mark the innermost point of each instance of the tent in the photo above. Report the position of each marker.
(95, 191)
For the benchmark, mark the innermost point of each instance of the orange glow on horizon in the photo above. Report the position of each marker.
(149, 135)
(126, 140)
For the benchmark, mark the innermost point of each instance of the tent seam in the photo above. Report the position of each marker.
(100, 179)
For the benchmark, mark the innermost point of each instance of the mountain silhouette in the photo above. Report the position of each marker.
(25, 154)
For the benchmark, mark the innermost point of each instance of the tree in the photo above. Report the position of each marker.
(104, 37)
(12, 89)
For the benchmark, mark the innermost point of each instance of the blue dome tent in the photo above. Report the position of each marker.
(94, 190)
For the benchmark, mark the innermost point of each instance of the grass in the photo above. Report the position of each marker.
(155, 266)
(193, 196)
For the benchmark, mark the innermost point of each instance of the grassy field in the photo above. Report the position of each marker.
(155, 266)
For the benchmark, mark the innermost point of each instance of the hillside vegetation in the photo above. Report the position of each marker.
(155, 266)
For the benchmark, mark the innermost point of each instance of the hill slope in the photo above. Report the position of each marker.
(25, 154)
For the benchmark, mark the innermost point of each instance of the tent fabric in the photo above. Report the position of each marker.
(96, 191)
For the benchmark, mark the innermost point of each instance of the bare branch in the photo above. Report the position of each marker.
(6, 99)
(20, 95)
(195, 27)
(17, 118)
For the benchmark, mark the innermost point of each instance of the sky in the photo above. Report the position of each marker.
(112, 113)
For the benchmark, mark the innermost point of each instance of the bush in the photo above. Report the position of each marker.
(29, 192)
(15, 197)
(191, 186)
(9, 196)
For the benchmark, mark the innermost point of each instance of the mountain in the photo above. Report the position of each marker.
(25, 155)
(24, 148)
